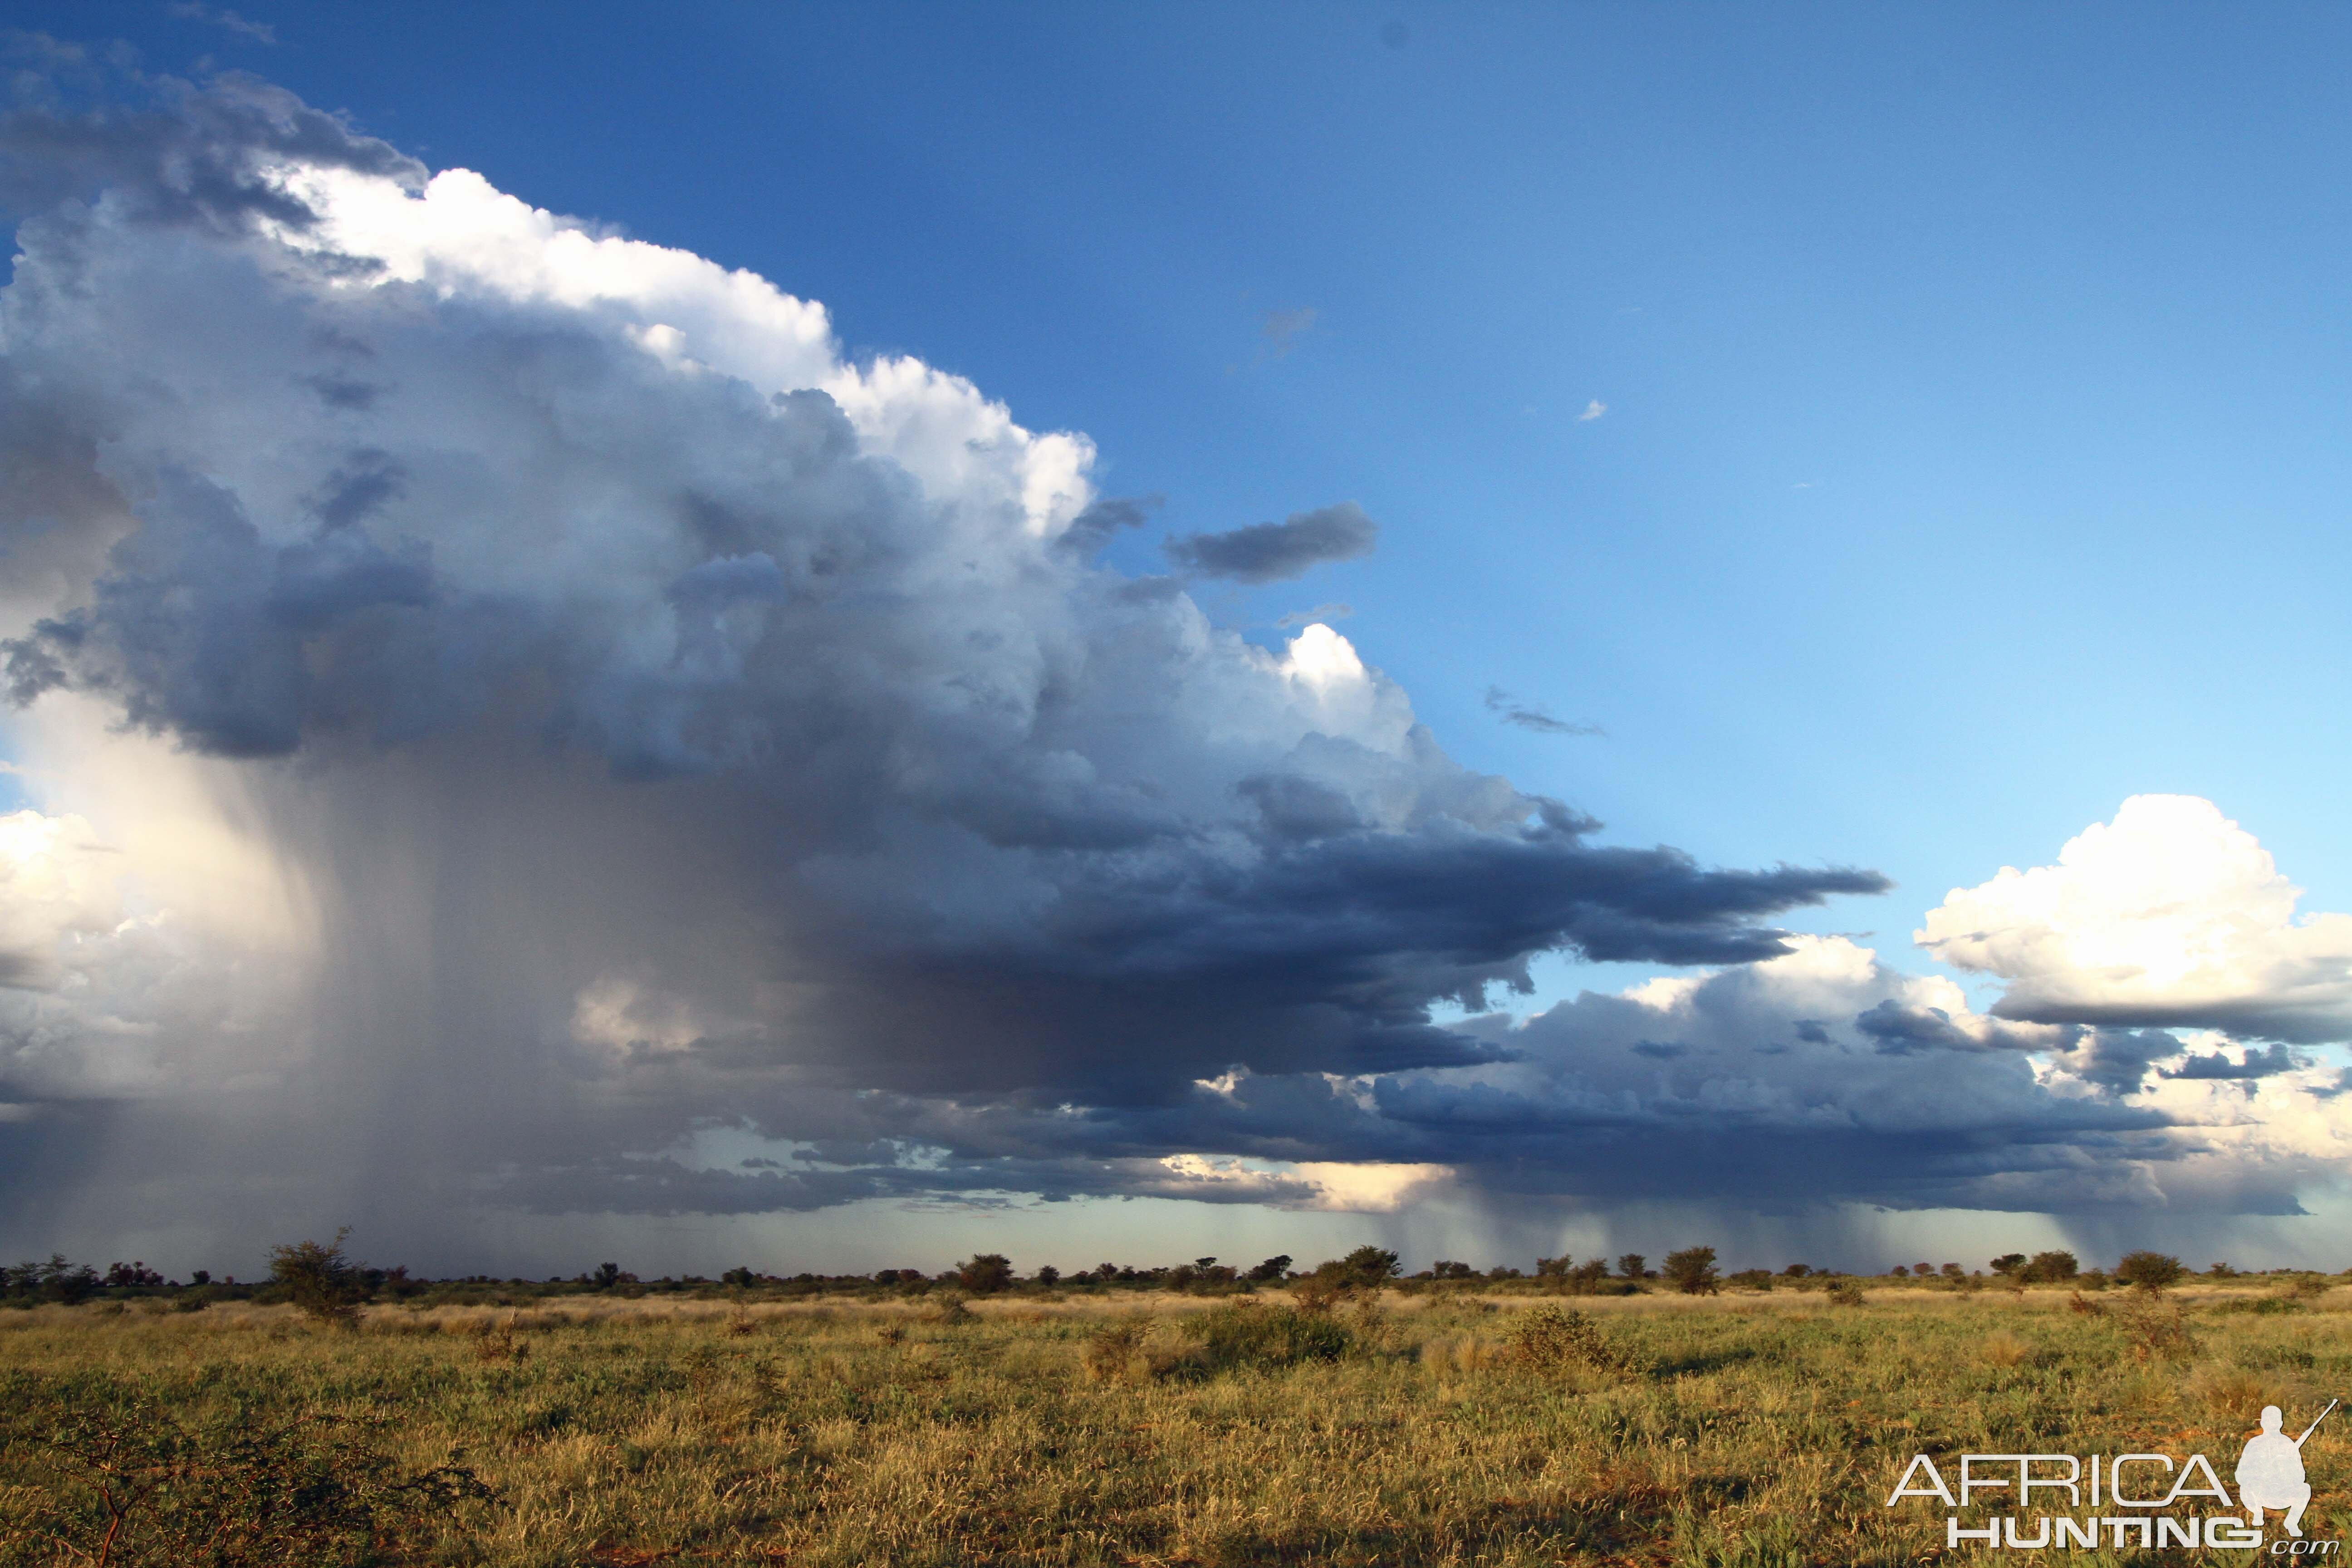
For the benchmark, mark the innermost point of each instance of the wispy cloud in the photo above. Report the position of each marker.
(189, 11)
(1331, 612)
(1282, 329)
(1592, 410)
(1527, 716)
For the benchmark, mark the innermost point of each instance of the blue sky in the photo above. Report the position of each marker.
(1905, 433)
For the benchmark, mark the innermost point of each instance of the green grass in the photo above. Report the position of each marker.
(1735, 1430)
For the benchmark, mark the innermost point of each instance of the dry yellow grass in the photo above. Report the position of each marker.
(1738, 1429)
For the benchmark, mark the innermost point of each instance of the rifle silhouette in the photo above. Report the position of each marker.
(2313, 1428)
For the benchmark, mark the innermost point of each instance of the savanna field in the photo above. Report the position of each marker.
(1464, 1424)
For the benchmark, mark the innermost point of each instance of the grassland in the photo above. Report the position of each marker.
(1735, 1429)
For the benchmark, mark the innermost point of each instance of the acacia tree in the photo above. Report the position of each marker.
(984, 1273)
(322, 1282)
(1692, 1271)
(2151, 1271)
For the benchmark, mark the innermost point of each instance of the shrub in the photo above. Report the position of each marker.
(2150, 1271)
(323, 1284)
(1244, 1334)
(1848, 1293)
(2008, 1264)
(1634, 1265)
(1112, 1350)
(1750, 1279)
(1552, 1342)
(1692, 1271)
(2157, 1330)
(1274, 1268)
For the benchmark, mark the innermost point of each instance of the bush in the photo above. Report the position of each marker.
(1553, 1342)
(1750, 1279)
(1112, 1350)
(323, 1284)
(2157, 1330)
(1692, 1271)
(2008, 1264)
(1634, 1265)
(2150, 1271)
(1848, 1293)
(1244, 1334)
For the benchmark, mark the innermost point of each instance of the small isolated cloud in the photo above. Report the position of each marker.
(2172, 916)
(1527, 716)
(1282, 329)
(1271, 551)
(1320, 612)
(189, 11)
(1592, 410)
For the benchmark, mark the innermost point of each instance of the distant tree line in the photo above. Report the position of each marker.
(325, 1281)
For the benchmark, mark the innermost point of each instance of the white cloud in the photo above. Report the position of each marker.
(1592, 410)
(1330, 1187)
(2171, 916)
(57, 887)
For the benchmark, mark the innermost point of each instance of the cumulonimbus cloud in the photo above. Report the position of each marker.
(604, 711)
(2172, 916)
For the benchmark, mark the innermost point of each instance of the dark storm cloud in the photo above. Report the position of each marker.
(2252, 1063)
(1898, 1030)
(1271, 551)
(2118, 1060)
(196, 157)
(657, 725)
